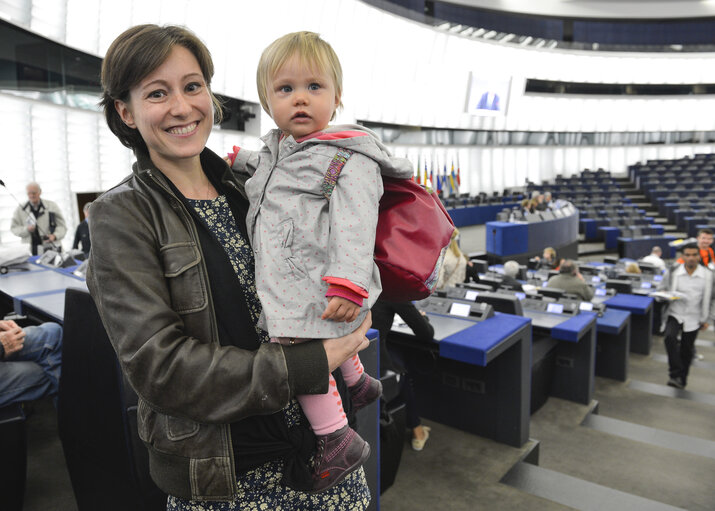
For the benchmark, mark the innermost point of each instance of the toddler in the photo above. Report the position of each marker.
(314, 195)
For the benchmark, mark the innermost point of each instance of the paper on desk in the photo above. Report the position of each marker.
(13, 255)
(667, 295)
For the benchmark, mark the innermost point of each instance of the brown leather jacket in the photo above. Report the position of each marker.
(148, 278)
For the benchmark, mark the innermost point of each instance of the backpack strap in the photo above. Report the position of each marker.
(336, 165)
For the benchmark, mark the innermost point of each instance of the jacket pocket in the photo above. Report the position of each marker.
(286, 233)
(182, 272)
(180, 429)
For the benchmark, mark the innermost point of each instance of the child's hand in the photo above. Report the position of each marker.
(341, 309)
(228, 160)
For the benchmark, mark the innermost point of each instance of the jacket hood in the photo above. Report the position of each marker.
(359, 139)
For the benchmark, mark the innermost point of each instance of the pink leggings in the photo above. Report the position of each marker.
(325, 411)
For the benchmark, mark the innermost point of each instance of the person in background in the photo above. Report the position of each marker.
(30, 361)
(172, 274)
(633, 267)
(541, 204)
(456, 267)
(548, 260)
(392, 357)
(705, 245)
(81, 235)
(688, 314)
(548, 200)
(571, 281)
(39, 222)
(704, 241)
(655, 258)
(511, 270)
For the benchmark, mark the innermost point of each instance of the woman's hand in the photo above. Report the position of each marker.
(340, 349)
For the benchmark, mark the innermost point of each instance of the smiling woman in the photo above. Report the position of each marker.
(172, 274)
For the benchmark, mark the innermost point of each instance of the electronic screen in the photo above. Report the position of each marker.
(544, 283)
(596, 279)
(646, 285)
(601, 291)
(460, 309)
(519, 295)
(471, 295)
(487, 94)
(585, 306)
(657, 278)
(556, 308)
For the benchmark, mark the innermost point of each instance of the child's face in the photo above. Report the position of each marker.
(301, 100)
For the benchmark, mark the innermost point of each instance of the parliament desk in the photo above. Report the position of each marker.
(522, 241)
(575, 354)
(474, 376)
(40, 292)
(635, 248)
(641, 309)
(477, 215)
(613, 334)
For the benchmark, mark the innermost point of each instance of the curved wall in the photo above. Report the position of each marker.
(396, 71)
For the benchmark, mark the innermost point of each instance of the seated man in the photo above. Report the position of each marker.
(655, 258)
(30, 360)
(511, 270)
(571, 281)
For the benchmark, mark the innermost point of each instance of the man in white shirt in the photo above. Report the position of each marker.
(655, 258)
(688, 314)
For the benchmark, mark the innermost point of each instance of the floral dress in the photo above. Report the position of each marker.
(260, 489)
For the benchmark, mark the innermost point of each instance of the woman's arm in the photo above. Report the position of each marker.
(418, 322)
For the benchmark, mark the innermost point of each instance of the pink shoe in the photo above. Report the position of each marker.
(365, 391)
(339, 453)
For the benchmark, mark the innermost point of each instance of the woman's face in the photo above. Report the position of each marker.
(172, 110)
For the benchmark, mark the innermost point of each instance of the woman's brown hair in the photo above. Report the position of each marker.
(132, 56)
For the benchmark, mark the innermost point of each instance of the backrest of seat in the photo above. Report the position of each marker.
(96, 412)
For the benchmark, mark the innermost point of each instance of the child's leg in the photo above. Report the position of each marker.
(352, 370)
(324, 411)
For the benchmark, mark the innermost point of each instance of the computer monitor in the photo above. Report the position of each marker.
(476, 286)
(589, 270)
(648, 268)
(502, 303)
(481, 265)
(620, 285)
(551, 292)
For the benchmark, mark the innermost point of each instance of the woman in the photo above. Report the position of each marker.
(456, 266)
(172, 274)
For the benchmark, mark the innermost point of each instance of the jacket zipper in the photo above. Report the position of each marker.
(176, 204)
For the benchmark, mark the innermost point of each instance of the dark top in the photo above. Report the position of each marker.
(81, 237)
(383, 314)
(512, 283)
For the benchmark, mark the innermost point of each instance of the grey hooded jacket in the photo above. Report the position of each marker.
(299, 237)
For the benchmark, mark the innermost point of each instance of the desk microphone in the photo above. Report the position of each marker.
(43, 237)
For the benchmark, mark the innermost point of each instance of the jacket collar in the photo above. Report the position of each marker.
(699, 271)
(213, 165)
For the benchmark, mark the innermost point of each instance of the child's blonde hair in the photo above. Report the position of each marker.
(311, 50)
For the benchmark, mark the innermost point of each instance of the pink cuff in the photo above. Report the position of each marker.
(337, 281)
(232, 156)
(346, 293)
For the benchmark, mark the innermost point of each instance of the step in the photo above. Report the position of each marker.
(645, 434)
(665, 390)
(576, 493)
